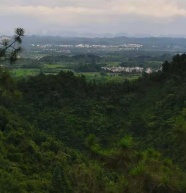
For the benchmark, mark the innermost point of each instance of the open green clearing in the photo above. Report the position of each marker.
(47, 69)
(62, 65)
(90, 76)
(24, 72)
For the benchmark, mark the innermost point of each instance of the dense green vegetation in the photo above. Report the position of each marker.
(91, 65)
(88, 59)
(61, 133)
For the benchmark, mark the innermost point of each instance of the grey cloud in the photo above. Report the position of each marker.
(58, 3)
(100, 16)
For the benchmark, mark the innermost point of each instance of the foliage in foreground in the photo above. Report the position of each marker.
(62, 134)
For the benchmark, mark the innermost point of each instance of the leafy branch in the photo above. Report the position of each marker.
(10, 49)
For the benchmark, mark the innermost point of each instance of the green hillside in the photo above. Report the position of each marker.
(60, 133)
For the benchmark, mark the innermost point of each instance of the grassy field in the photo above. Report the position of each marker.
(56, 68)
(24, 72)
(47, 69)
(63, 65)
(110, 64)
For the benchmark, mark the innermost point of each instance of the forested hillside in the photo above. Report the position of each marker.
(60, 133)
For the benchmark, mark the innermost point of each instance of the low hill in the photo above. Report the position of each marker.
(59, 133)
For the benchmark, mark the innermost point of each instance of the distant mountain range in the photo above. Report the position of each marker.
(158, 43)
(148, 42)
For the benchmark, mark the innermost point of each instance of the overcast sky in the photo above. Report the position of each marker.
(62, 17)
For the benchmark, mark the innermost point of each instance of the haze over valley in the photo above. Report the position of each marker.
(93, 96)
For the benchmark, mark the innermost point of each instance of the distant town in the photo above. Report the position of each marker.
(135, 70)
(63, 48)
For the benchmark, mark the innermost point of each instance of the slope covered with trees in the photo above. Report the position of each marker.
(59, 133)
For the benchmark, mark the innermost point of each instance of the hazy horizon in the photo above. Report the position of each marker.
(78, 18)
(92, 36)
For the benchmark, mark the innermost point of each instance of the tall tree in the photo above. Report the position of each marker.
(60, 183)
(10, 48)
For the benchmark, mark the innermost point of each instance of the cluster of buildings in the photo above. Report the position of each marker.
(68, 48)
(106, 46)
(136, 70)
(88, 46)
